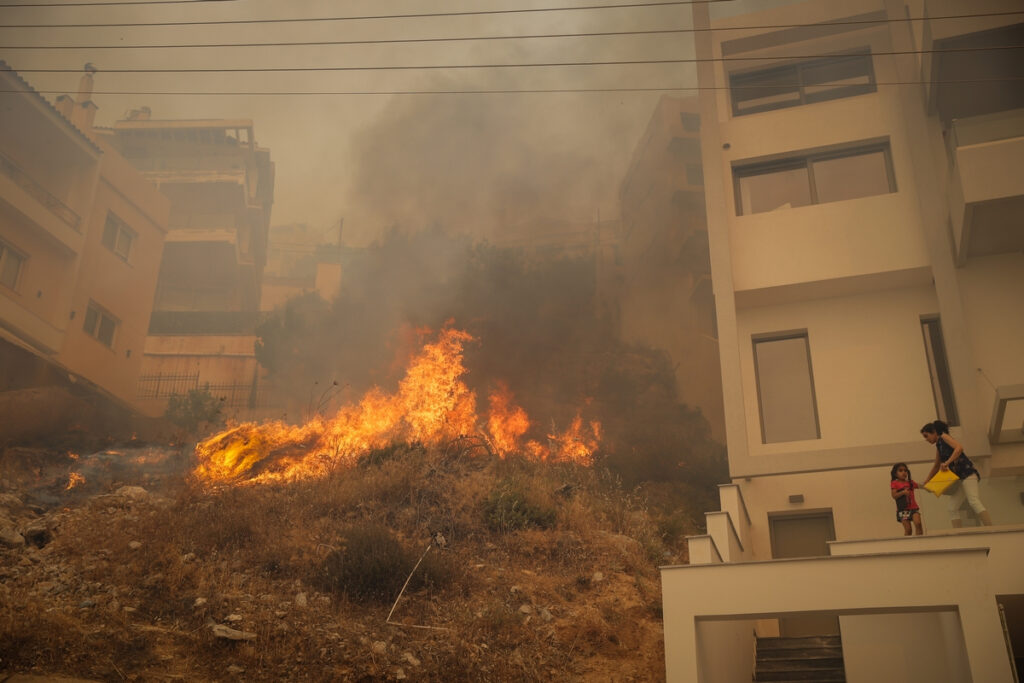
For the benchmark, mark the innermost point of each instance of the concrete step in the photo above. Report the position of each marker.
(803, 643)
(799, 653)
(819, 675)
(800, 664)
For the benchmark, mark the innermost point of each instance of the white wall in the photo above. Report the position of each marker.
(897, 648)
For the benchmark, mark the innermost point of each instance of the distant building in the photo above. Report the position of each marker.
(301, 259)
(665, 296)
(81, 237)
(865, 209)
(221, 188)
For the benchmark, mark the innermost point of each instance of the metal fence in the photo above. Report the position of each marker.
(163, 386)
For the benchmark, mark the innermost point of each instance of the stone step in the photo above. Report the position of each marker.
(815, 675)
(764, 655)
(800, 664)
(803, 642)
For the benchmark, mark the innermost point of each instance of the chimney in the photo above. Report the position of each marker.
(65, 105)
(85, 110)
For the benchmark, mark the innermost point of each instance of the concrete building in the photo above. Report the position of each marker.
(865, 207)
(301, 259)
(665, 298)
(81, 237)
(207, 305)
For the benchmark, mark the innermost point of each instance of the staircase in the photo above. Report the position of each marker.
(814, 659)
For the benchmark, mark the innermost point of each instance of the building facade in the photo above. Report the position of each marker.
(665, 297)
(207, 304)
(864, 175)
(81, 237)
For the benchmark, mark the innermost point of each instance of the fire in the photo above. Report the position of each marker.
(74, 479)
(432, 406)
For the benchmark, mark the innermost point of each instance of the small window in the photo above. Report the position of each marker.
(815, 80)
(11, 262)
(100, 324)
(694, 174)
(118, 237)
(785, 388)
(938, 369)
(684, 147)
(691, 122)
(814, 179)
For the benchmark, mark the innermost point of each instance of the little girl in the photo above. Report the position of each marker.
(907, 510)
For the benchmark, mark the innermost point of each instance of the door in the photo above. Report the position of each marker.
(804, 535)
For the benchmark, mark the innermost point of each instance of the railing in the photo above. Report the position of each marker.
(205, 322)
(163, 386)
(38, 192)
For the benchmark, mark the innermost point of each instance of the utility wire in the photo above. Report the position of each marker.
(99, 4)
(281, 93)
(406, 67)
(293, 20)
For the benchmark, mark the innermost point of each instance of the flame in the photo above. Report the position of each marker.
(74, 479)
(73, 456)
(432, 405)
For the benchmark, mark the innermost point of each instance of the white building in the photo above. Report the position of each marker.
(864, 179)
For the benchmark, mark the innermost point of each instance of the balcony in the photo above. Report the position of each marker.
(986, 194)
(39, 205)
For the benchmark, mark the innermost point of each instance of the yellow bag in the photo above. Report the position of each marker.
(942, 480)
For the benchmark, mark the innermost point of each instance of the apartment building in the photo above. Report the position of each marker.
(81, 236)
(864, 179)
(207, 304)
(665, 297)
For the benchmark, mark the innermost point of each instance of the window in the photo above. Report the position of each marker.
(691, 122)
(816, 178)
(684, 147)
(118, 237)
(694, 174)
(806, 82)
(11, 262)
(100, 324)
(938, 369)
(785, 388)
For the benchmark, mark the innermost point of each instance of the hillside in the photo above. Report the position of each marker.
(135, 569)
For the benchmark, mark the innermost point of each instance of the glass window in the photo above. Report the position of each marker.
(805, 82)
(938, 369)
(10, 266)
(117, 237)
(774, 188)
(785, 388)
(814, 179)
(685, 147)
(100, 324)
(851, 177)
(691, 122)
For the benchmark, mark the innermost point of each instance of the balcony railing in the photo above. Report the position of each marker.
(38, 192)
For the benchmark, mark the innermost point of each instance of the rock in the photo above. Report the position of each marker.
(598, 577)
(546, 615)
(9, 500)
(235, 669)
(300, 600)
(86, 604)
(11, 538)
(132, 492)
(228, 633)
(379, 647)
(199, 602)
(37, 533)
(233, 618)
(399, 674)
(188, 557)
(134, 545)
(411, 659)
(525, 609)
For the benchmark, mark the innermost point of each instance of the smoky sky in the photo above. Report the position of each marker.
(475, 163)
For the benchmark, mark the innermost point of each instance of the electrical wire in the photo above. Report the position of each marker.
(24, 5)
(296, 93)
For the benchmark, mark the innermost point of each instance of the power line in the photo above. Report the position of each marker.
(408, 67)
(496, 91)
(355, 17)
(545, 9)
(98, 4)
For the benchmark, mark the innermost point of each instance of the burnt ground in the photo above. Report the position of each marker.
(140, 572)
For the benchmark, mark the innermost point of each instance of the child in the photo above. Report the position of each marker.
(902, 488)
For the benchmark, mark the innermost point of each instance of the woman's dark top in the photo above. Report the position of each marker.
(962, 466)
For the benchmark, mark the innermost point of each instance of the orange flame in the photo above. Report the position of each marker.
(432, 405)
(74, 479)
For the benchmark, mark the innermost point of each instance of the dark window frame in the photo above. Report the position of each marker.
(776, 337)
(116, 225)
(94, 327)
(7, 251)
(806, 161)
(796, 74)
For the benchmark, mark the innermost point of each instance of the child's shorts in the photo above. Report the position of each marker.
(905, 515)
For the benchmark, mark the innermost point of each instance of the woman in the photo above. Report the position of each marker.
(949, 455)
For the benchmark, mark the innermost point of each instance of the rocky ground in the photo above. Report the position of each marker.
(527, 571)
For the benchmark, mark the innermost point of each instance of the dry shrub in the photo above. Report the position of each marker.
(373, 565)
(510, 507)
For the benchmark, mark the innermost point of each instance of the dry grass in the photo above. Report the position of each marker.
(128, 589)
